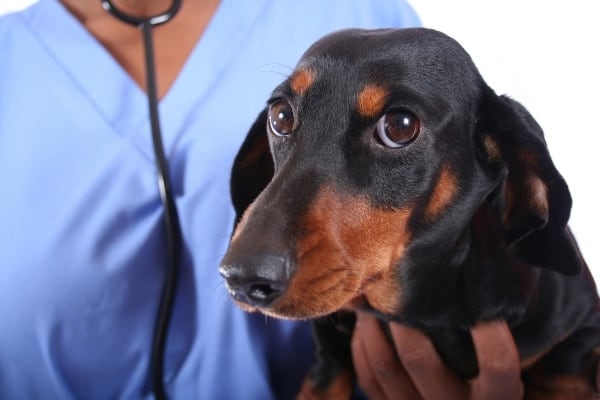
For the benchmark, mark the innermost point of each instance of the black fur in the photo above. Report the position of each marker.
(500, 250)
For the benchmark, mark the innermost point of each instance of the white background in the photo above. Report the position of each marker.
(543, 53)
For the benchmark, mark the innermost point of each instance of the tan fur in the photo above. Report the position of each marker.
(301, 80)
(349, 251)
(371, 100)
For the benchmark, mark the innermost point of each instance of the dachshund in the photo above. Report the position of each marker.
(386, 175)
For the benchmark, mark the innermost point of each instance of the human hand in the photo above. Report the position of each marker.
(413, 370)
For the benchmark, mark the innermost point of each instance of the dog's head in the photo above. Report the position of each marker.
(374, 158)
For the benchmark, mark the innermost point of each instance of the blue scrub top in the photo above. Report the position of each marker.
(82, 245)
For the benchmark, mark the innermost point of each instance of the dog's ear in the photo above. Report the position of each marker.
(533, 199)
(253, 167)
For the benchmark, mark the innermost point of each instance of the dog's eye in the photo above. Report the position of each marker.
(397, 128)
(281, 118)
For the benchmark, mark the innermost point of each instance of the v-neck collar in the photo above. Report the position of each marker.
(115, 94)
(224, 35)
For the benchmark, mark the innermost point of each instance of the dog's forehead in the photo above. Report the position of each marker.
(353, 44)
(371, 61)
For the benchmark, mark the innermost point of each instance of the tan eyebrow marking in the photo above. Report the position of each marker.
(301, 80)
(371, 100)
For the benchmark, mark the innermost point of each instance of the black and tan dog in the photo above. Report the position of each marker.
(386, 175)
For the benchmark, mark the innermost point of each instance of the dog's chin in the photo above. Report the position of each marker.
(299, 316)
(294, 313)
(289, 312)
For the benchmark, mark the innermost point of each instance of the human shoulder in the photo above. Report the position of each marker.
(15, 23)
(14, 39)
(8, 23)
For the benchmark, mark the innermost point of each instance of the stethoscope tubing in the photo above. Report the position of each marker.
(171, 218)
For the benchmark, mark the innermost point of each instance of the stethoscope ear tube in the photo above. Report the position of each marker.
(171, 218)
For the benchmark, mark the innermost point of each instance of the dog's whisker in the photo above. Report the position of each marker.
(285, 75)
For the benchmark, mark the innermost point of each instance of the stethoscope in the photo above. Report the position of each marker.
(171, 220)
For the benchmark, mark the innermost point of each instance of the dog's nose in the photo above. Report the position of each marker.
(257, 281)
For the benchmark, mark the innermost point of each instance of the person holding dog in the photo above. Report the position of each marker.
(82, 243)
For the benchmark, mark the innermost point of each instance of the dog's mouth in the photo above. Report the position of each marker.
(307, 297)
(302, 296)
(347, 257)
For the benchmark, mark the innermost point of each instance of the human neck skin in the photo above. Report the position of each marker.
(173, 41)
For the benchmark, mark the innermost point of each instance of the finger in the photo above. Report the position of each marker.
(380, 373)
(431, 377)
(366, 380)
(498, 359)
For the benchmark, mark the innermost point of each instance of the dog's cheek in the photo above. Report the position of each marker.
(348, 252)
(323, 281)
(376, 240)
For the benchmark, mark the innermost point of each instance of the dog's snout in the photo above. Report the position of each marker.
(257, 281)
